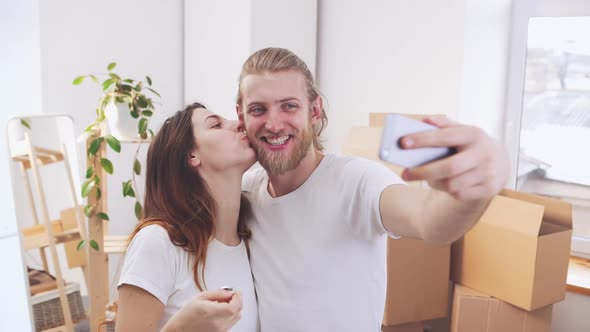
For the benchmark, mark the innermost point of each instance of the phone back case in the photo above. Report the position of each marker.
(397, 126)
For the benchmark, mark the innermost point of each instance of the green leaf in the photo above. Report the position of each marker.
(134, 115)
(113, 143)
(128, 189)
(143, 135)
(94, 245)
(154, 91)
(88, 211)
(142, 102)
(149, 80)
(78, 80)
(138, 86)
(151, 133)
(128, 80)
(89, 172)
(107, 165)
(103, 216)
(87, 187)
(98, 193)
(115, 76)
(138, 210)
(25, 123)
(112, 66)
(94, 146)
(80, 245)
(107, 84)
(126, 186)
(142, 125)
(94, 79)
(137, 167)
(147, 113)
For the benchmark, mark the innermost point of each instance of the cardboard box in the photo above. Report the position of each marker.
(417, 272)
(518, 252)
(475, 311)
(410, 327)
(417, 281)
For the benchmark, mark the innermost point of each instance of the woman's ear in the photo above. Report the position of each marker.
(193, 159)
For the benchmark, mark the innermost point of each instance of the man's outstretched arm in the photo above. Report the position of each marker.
(462, 184)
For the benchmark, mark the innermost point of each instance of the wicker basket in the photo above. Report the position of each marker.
(47, 309)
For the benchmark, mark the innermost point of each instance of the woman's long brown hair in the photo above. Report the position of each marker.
(176, 196)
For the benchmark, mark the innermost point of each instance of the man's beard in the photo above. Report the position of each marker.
(277, 163)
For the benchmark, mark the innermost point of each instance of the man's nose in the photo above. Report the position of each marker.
(274, 121)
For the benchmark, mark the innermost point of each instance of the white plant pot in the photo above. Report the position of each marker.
(121, 123)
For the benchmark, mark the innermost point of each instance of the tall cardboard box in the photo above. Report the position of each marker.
(518, 252)
(417, 272)
(475, 311)
(417, 281)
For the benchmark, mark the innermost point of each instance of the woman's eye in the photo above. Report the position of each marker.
(217, 125)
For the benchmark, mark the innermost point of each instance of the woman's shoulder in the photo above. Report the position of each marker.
(152, 236)
(153, 230)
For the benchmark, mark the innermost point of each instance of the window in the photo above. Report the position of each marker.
(554, 151)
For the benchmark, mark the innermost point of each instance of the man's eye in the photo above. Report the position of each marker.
(290, 106)
(256, 110)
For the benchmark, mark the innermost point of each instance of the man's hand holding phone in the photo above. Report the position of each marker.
(458, 159)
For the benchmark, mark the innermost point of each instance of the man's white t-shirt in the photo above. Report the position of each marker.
(154, 263)
(318, 254)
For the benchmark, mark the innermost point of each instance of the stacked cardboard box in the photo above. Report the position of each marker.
(509, 269)
(474, 311)
(512, 266)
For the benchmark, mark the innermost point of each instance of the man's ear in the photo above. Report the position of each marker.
(193, 159)
(316, 109)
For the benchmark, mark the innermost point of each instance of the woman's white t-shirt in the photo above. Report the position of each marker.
(155, 264)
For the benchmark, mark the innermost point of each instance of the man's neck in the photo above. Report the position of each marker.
(279, 185)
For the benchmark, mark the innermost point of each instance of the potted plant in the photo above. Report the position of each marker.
(126, 105)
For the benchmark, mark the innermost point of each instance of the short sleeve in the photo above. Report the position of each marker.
(373, 178)
(252, 178)
(150, 263)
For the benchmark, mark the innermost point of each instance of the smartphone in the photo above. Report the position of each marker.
(396, 127)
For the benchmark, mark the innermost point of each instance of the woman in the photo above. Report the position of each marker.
(192, 237)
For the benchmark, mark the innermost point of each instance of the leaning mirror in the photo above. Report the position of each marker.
(45, 175)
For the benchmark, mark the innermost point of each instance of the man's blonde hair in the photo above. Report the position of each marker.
(275, 59)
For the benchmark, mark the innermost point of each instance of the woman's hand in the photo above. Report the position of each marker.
(215, 311)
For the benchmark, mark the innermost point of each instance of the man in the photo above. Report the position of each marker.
(320, 220)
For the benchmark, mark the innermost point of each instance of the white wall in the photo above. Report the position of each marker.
(285, 23)
(486, 35)
(388, 56)
(144, 38)
(19, 92)
(218, 41)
